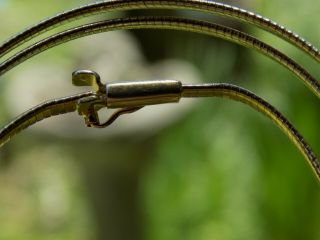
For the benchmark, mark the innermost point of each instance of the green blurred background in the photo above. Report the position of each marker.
(214, 170)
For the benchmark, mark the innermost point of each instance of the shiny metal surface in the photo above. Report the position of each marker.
(88, 78)
(142, 93)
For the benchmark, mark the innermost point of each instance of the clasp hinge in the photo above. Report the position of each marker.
(88, 107)
(128, 96)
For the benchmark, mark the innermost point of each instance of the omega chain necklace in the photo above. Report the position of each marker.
(128, 97)
(115, 95)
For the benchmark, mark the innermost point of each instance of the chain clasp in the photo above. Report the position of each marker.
(128, 96)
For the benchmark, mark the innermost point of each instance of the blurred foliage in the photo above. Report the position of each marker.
(39, 198)
(223, 172)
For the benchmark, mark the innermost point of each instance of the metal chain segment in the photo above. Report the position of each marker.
(38, 113)
(197, 5)
(165, 23)
(69, 104)
(242, 95)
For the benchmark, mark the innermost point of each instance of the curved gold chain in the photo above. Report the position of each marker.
(210, 7)
(242, 95)
(172, 23)
(69, 104)
(38, 113)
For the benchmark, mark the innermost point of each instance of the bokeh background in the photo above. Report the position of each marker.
(202, 169)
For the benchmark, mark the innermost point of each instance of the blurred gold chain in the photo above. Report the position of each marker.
(164, 23)
(210, 7)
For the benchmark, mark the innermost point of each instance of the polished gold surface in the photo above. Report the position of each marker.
(88, 78)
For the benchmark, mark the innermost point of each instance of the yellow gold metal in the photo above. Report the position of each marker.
(88, 78)
(88, 107)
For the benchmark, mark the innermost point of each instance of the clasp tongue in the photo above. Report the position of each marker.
(88, 78)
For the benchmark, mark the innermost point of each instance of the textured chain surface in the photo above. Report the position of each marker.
(38, 113)
(198, 5)
(69, 104)
(165, 23)
(249, 98)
